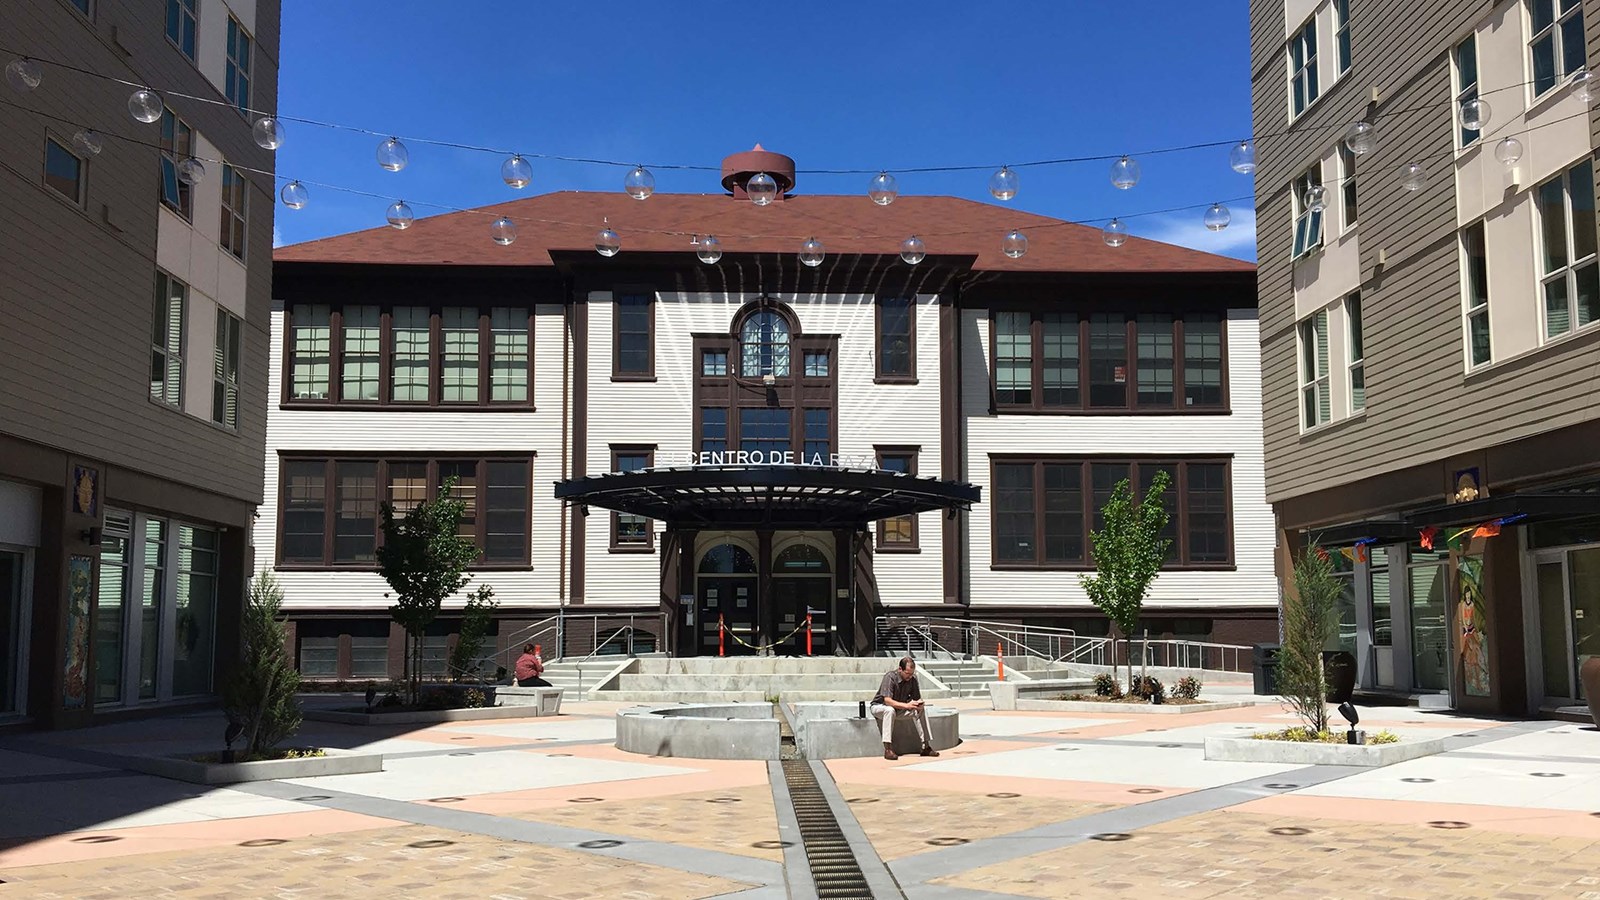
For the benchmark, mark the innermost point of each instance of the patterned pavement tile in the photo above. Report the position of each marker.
(734, 820)
(902, 823)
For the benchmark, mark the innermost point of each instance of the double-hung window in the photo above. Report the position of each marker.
(897, 335)
(1570, 273)
(63, 171)
(1557, 44)
(900, 532)
(359, 353)
(1307, 221)
(1341, 33)
(633, 336)
(458, 363)
(1475, 295)
(225, 379)
(177, 145)
(167, 340)
(1358, 362)
(1314, 384)
(309, 342)
(628, 530)
(237, 77)
(1466, 57)
(1303, 86)
(1347, 186)
(410, 338)
(235, 220)
(181, 26)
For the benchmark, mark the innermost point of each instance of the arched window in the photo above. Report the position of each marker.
(801, 559)
(764, 342)
(727, 559)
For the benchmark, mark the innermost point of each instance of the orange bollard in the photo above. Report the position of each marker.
(808, 634)
(1000, 651)
(721, 630)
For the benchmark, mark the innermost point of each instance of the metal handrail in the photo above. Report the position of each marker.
(1065, 646)
(626, 629)
(525, 636)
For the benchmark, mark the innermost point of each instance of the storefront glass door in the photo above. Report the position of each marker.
(1568, 587)
(1550, 576)
(1430, 622)
(1585, 597)
(15, 580)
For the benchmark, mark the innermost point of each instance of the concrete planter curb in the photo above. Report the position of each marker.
(1005, 695)
(335, 762)
(1133, 709)
(1307, 754)
(422, 716)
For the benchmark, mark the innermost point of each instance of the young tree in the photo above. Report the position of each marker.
(259, 697)
(1128, 554)
(424, 560)
(476, 618)
(1310, 617)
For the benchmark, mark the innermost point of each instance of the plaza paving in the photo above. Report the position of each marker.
(1031, 804)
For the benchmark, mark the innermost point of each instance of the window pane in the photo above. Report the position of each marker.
(369, 656)
(1358, 387)
(409, 362)
(312, 327)
(355, 526)
(506, 512)
(1467, 63)
(1013, 347)
(1544, 13)
(466, 490)
(894, 335)
(1353, 314)
(816, 364)
(1063, 513)
(319, 657)
(1108, 361)
(713, 429)
(1583, 221)
(1320, 323)
(764, 340)
(359, 353)
(1477, 267)
(196, 601)
(764, 430)
(1202, 360)
(62, 170)
(1155, 360)
(408, 486)
(1382, 616)
(632, 529)
(1544, 63)
(714, 362)
(1059, 336)
(1478, 324)
(1105, 477)
(1169, 499)
(818, 436)
(1552, 213)
(1207, 513)
(635, 313)
(1347, 170)
(1557, 315)
(1014, 513)
(167, 340)
(1573, 45)
(459, 368)
(901, 529)
(1588, 305)
(225, 375)
(304, 510)
(508, 363)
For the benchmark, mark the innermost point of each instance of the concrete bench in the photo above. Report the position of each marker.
(1003, 695)
(833, 731)
(544, 701)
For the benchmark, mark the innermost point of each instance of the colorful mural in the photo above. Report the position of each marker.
(80, 593)
(1473, 619)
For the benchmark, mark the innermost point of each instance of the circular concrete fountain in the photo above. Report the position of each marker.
(752, 731)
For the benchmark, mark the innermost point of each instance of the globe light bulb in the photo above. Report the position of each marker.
(1361, 138)
(1014, 244)
(268, 132)
(639, 183)
(1413, 177)
(710, 249)
(1217, 217)
(811, 252)
(607, 242)
(392, 155)
(23, 74)
(1508, 151)
(145, 105)
(400, 216)
(1115, 233)
(883, 189)
(1475, 114)
(87, 142)
(1242, 158)
(516, 172)
(913, 251)
(503, 231)
(761, 189)
(1316, 198)
(1124, 173)
(191, 171)
(1003, 184)
(294, 195)
(1583, 86)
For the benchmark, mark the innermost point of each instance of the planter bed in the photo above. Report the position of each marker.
(332, 762)
(1318, 754)
(1133, 709)
(358, 715)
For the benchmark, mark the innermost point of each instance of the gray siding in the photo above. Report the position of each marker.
(76, 287)
(1421, 406)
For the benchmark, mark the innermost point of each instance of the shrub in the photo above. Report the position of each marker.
(1310, 624)
(477, 617)
(1105, 685)
(1187, 688)
(259, 698)
(472, 698)
(434, 700)
(1149, 688)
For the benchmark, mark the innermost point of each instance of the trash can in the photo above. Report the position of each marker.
(1264, 666)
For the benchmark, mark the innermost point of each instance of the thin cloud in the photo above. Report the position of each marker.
(277, 237)
(1187, 230)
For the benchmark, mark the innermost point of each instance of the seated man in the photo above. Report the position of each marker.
(900, 697)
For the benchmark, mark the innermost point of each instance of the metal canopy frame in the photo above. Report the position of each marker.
(1534, 506)
(782, 496)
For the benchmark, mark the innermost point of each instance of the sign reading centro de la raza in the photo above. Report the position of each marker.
(708, 459)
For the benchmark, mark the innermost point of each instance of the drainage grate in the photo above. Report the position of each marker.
(834, 870)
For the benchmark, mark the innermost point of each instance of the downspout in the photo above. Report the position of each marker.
(566, 412)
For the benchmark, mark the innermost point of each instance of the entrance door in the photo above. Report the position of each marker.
(792, 598)
(14, 593)
(1585, 601)
(729, 600)
(1430, 622)
(1568, 586)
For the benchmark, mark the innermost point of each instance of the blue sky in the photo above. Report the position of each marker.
(865, 85)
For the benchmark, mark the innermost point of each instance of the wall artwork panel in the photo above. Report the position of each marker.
(80, 594)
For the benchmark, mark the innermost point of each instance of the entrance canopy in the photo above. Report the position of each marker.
(777, 496)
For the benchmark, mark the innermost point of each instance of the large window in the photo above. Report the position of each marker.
(63, 171)
(329, 508)
(1557, 46)
(177, 145)
(1466, 57)
(631, 532)
(897, 337)
(1303, 86)
(456, 356)
(1475, 295)
(1044, 509)
(1571, 275)
(181, 25)
(634, 336)
(764, 345)
(1358, 362)
(1316, 399)
(1307, 221)
(237, 77)
(167, 339)
(225, 377)
(898, 534)
(1341, 33)
(235, 218)
(1039, 363)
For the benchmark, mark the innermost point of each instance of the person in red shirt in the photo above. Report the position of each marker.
(530, 667)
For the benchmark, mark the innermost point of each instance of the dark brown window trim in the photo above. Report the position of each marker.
(1131, 348)
(648, 545)
(1180, 548)
(793, 392)
(618, 374)
(385, 401)
(381, 488)
(878, 375)
(882, 545)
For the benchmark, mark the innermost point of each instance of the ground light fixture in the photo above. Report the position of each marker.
(1217, 217)
(145, 105)
(516, 172)
(709, 249)
(811, 252)
(1242, 157)
(503, 231)
(606, 241)
(87, 142)
(294, 195)
(1015, 244)
(23, 74)
(1115, 233)
(1508, 151)
(400, 215)
(883, 190)
(762, 189)
(392, 155)
(913, 251)
(1348, 710)
(1003, 184)
(639, 183)
(1361, 138)
(1124, 173)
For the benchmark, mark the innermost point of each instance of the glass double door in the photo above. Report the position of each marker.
(792, 598)
(730, 601)
(16, 578)
(1567, 585)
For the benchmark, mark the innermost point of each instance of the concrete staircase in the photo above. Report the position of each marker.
(966, 677)
(566, 674)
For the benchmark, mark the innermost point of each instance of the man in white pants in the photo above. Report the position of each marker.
(900, 697)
